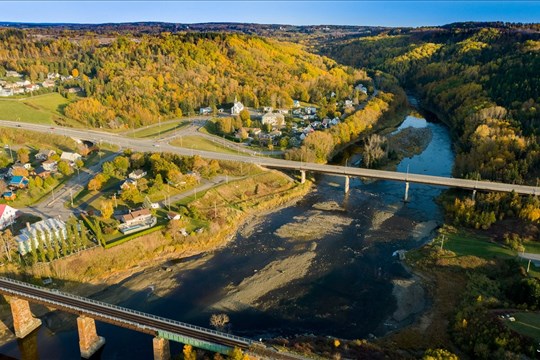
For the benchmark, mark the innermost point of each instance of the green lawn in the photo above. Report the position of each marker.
(156, 130)
(527, 324)
(464, 243)
(42, 109)
(199, 143)
(532, 247)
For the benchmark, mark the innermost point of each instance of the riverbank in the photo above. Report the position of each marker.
(149, 263)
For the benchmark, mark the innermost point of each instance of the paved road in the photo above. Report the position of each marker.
(152, 146)
(54, 204)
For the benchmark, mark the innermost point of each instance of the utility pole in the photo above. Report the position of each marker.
(71, 195)
(528, 266)
(442, 242)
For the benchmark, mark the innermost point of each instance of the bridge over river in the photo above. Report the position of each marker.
(89, 310)
(153, 146)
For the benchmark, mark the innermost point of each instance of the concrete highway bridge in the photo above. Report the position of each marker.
(347, 172)
(89, 310)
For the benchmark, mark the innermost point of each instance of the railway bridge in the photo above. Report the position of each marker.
(164, 330)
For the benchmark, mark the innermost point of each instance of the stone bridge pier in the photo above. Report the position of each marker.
(23, 320)
(162, 350)
(89, 341)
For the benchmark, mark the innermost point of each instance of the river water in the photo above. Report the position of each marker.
(272, 281)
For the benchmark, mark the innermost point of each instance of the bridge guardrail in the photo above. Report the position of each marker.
(125, 310)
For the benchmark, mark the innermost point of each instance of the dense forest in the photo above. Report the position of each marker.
(133, 80)
(484, 82)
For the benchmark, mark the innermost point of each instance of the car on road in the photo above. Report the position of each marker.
(156, 145)
(18, 125)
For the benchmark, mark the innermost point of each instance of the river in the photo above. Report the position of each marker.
(322, 266)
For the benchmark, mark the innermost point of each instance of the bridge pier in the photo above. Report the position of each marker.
(406, 197)
(347, 184)
(89, 341)
(474, 194)
(23, 320)
(302, 176)
(162, 350)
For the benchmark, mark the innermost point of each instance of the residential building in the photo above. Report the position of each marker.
(49, 165)
(348, 103)
(23, 83)
(44, 154)
(173, 216)
(53, 76)
(296, 103)
(128, 183)
(237, 107)
(11, 73)
(273, 119)
(7, 215)
(137, 174)
(9, 195)
(36, 233)
(6, 92)
(48, 83)
(31, 87)
(135, 217)
(18, 182)
(361, 88)
(268, 109)
(205, 110)
(70, 157)
(42, 172)
(74, 90)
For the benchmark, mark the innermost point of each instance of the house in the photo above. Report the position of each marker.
(11, 73)
(53, 76)
(35, 233)
(296, 103)
(135, 217)
(267, 109)
(7, 215)
(49, 165)
(283, 111)
(31, 87)
(42, 173)
(70, 157)
(48, 83)
(23, 83)
(205, 110)
(173, 216)
(44, 154)
(18, 182)
(273, 119)
(348, 103)
(128, 183)
(74, 90)
(361, 88)
(195, 175)
(309, 110)
(237, 107)
(18, 91)
(6, 92)
(9, 195)
(137, 174)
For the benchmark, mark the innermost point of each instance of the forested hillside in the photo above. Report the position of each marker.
(483, 81)
(132, 80)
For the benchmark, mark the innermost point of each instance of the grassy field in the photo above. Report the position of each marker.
(527, 324)
(199, 143)
(532, 247)
(156, 130)
(464, 243)
(42, 109)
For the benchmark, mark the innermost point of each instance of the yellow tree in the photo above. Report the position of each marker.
(75, 72)
(189, 354)
(106, 208)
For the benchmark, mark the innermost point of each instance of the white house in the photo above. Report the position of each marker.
(267, 109)
(136, 217)
(205, 110)
(10, 73)
(36, 233)
(137, 174)
(7, 215)
(53, 76)
(348, 103)
(70, 157)
(49, 165)
(310, 110)
(296, 103)
(23, 83)
(273, 119)
(361, 88)
(237, 107)
(6, 92)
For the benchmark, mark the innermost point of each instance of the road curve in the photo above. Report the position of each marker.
(152, 146)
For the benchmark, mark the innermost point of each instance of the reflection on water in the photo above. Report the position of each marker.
(339, 284)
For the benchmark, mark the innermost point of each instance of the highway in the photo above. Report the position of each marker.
(153, 146)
